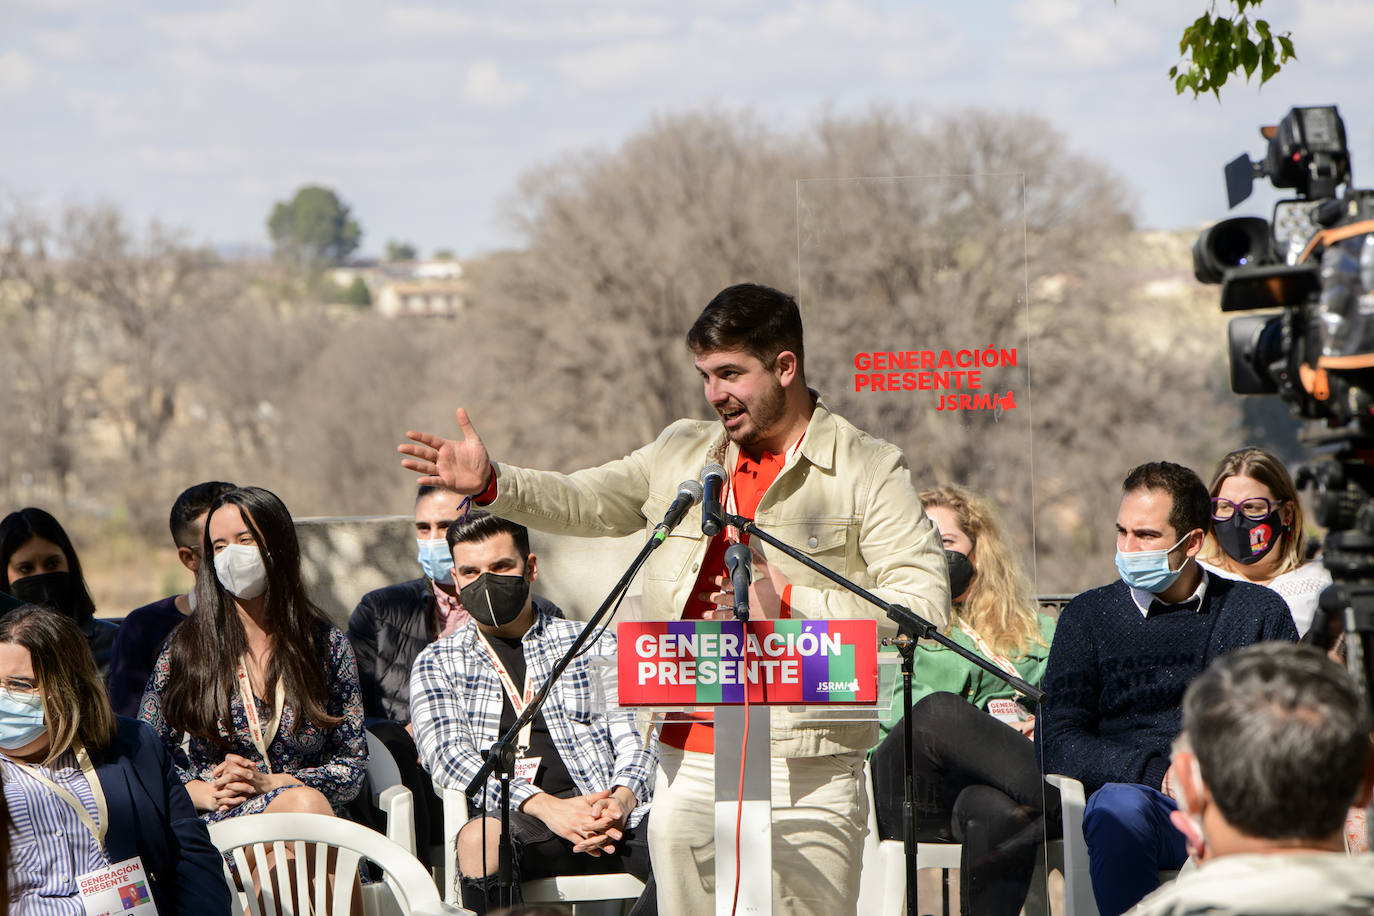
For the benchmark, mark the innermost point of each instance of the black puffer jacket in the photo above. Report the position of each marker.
(388, 629)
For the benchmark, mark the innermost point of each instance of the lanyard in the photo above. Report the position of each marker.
(518, 701)
(261, 738)
(1002, 661)
(97, 825)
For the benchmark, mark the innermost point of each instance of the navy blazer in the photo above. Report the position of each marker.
(151, 816)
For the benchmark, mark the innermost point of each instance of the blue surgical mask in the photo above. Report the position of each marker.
(1148, 570)
(21, 719)
(435, 559)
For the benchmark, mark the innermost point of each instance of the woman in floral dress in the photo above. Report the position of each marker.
(266, 689)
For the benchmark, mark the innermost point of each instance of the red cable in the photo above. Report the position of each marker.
(743, 755)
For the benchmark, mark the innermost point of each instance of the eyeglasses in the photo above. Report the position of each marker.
(18, 685)
(1257, 508)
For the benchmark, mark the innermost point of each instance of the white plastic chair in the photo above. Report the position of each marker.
(590, 895)
(396, 801)
(882, 882)
(1070, 855)
(256, 841)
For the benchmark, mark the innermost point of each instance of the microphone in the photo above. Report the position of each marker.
(712, 482)
(688, 495)
(740, 561)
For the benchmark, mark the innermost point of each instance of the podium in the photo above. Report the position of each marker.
(740, 670)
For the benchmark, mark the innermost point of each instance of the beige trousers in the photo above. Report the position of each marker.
(820, 814)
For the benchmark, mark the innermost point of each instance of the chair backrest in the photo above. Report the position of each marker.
(382, 770)
(296, 848)
(1078, 889)
(389, 794)
(455, 816)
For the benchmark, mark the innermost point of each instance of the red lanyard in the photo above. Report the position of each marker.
(262, 738)
(518, 700)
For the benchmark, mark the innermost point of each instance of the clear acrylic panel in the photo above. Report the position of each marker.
(914, 296)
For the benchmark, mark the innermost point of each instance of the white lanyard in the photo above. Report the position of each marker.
(101, 822)
(518, 701)
(1002, 661)
(261, 738)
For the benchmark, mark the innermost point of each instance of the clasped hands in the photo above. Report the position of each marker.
(236, 779)
(593, 823)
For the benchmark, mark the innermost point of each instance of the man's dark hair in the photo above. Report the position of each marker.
(1191, 506)
(483, 526)
(1281, 734)
(190, 505)
(760, 320)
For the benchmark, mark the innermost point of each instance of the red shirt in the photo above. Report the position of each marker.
(748, 483)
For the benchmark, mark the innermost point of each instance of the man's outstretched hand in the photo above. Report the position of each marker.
(462, 465)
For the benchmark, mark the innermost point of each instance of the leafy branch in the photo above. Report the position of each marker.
(1215, 47)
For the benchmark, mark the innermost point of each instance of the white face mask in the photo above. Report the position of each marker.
(240, 570)
(1193, 776)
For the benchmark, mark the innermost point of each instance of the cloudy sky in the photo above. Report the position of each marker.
(423, 115)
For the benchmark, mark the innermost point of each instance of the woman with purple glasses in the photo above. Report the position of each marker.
(1257, 532)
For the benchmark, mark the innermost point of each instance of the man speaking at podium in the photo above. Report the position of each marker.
(804, 474)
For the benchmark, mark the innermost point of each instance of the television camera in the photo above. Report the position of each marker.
(1308, 275)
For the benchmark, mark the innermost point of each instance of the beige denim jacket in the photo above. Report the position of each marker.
(846, 499)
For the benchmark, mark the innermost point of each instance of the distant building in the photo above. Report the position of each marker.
(438, 270)
(433, 298)
(410, 289)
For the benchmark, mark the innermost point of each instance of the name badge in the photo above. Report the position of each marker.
(1008, 711)
(526, 768)
(120, 890)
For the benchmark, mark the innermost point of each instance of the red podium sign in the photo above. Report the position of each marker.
(782, 662)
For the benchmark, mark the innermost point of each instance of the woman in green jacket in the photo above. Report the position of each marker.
(977, 781)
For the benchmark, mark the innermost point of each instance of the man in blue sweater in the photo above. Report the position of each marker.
(1122, 656)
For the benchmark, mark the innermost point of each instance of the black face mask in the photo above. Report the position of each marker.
(494, 599)
(55, 590)
(1246, 540)
(960, 573)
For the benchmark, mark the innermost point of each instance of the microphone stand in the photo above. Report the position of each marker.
(500, 759)
(913, 627)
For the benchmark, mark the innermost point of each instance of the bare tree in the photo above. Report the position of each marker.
(623, 251)
(145, 292)
(625, 248)
(900, 231)
(48, 342)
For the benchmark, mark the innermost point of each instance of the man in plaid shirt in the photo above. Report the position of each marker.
(580, 794)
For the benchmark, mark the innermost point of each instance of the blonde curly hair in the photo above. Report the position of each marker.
(1000, 601)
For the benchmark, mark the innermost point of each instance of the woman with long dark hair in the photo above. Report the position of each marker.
(41, 567)
(266, 689)
(89, 793)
